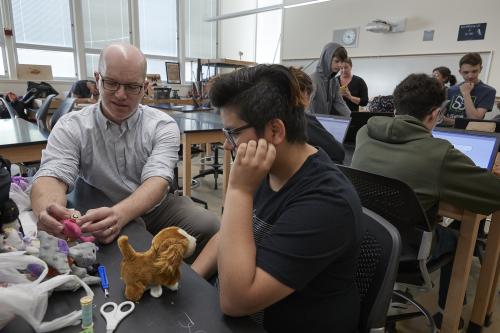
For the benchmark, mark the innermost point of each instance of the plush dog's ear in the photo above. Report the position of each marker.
(127, 251)
(169, 258)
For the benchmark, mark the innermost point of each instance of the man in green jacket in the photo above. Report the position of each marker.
(403, 148)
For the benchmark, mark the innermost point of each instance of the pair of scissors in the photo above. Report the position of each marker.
(116, 314)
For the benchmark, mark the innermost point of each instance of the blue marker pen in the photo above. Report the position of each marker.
(104, 280)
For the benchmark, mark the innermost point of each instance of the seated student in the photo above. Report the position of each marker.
(85, 90)
(403, 148)
(317, 135)
(124, 149)
(471, 98)
(291, 228)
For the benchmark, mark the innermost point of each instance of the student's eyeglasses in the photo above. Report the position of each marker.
(112, 85)
(230, 133)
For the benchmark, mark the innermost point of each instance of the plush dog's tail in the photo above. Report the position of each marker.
(125, 248)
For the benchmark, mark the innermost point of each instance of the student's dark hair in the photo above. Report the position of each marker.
(418, 95)
(261, 94)
(348, 60)
(304, 81)
(446, 74)
(340, 53)
(472, 59)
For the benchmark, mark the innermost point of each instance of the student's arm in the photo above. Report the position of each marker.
(105, 223)
(465, 185)
(244, 288)
(470, 110)
(205, 264)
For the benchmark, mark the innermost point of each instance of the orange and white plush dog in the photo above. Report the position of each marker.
(159, 266)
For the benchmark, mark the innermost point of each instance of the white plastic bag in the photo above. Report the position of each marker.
(29, 299)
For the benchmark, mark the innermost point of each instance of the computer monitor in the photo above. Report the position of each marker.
(481, 148)
(358, 120)
(336, 126)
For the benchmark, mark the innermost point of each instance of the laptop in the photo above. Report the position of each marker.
(358, 120)
(336, 126)
(480, 147)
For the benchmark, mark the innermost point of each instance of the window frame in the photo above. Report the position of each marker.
(42, 47)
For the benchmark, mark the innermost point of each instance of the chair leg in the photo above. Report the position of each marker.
(423, 311)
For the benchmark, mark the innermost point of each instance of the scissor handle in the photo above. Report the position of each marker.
(114, 316)
(122, 304)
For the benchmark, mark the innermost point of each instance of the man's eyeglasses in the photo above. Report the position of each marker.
(229, 133)
(130, 88)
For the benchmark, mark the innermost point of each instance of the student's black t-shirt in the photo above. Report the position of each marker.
(318, 136)
(308, 235)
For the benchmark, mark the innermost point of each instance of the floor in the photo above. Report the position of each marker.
(205, 191)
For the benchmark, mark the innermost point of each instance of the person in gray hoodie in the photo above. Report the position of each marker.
(326, 97)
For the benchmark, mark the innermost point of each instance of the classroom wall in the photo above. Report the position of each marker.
(306, 29)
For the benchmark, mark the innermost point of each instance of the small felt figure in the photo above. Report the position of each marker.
(159, 266)
(73, 231)
(11, 234)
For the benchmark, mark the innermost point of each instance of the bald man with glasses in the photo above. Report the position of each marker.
(126, 150)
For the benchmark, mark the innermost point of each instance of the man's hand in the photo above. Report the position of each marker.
(104, 223)
(49, 219)
(466, 88)
(253, 162)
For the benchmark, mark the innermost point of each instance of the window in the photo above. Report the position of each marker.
(190, 68)
(254, 37)
(105, 22)
(200, 36)
(2, 50)
(158, 27)
(29, 16)
(157, 66)
(268, 37)
(44, 44)
(63, 63)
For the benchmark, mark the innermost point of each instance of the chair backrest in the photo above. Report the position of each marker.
(42, 112)
(395, 201)
(65, 107)
(10, 109)
(376, 270)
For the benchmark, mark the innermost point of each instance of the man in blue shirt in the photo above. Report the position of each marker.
(471, 98)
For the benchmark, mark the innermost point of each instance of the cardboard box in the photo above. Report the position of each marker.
(53, 105)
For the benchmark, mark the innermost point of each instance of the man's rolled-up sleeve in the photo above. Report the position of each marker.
(163, 158)
(61, 157)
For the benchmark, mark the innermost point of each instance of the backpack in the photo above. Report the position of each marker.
(382, 104)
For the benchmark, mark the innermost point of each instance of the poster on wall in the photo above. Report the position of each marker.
(471, 31)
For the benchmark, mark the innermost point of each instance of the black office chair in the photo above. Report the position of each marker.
(65, 107)
(397, 203)
(12, 112)
(42, 113)
(376, 271)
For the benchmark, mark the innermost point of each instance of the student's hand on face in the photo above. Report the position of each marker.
(253, 162)
(466, 88)
(104, 223)
(49, 219)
